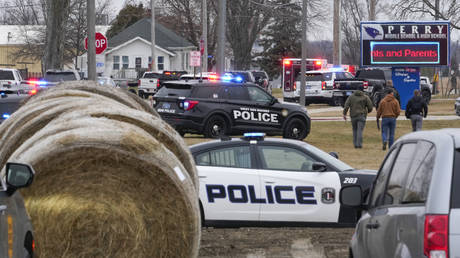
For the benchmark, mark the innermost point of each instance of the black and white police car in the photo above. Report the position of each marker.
(257, 181)
(217, 107)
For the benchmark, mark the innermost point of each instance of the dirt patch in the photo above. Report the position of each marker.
(275, 242)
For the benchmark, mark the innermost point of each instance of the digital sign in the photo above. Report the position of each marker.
(405, 43)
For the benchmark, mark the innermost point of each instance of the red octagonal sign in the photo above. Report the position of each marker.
(101, 43)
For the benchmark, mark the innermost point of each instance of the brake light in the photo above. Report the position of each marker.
(33, 92)
(287, 62)
(365, 84)
(33, 245)
(189, 104)
(139, 82)
(323, 85)
(436, 236)
(158, 83)
(168, 73)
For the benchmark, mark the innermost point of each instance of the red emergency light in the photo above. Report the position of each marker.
(318, 63)
(287, 62)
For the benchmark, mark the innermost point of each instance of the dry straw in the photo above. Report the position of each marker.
(113, 179)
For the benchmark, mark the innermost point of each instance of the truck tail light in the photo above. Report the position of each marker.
(189, 104)
(158, 83)
(365, 84)
(436, 236)
(323, 85)
(138, 82)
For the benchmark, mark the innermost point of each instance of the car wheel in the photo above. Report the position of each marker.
(216, 127)
(426, 94)
(295, 129)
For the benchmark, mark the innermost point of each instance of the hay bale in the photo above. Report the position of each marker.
(112, 180)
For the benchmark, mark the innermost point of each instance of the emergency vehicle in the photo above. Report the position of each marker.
(228, 106)
(291, 70)
(258, 181)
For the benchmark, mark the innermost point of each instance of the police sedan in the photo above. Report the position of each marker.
(258, 181)
(223, 107)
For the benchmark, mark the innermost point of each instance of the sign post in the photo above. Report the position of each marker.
(195, 58)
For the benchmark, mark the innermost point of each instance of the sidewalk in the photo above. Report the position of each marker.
(325, 119)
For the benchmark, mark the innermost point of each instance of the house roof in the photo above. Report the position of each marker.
(164, 37)
(141, 39)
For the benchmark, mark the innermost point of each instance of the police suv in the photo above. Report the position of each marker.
(257, 181)
(217, 108)
(16, 234)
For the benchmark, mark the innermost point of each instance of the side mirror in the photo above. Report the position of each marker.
(319, 166)
(351, 196)
(273, 101)
(334, 154)
(18, 176)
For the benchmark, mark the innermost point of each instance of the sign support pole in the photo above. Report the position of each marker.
(91, 54)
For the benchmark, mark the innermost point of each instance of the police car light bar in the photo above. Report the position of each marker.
(5, 116)
(254, 136)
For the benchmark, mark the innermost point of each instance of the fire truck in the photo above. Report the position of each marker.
(291, 69)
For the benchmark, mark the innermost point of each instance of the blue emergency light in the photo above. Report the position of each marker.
(253, 136)
(5, 116)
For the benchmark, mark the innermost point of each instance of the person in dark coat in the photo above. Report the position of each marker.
(416, 110)
(360, 105)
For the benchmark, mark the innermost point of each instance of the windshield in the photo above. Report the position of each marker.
(6, 75)
(59, 76)
(341, 166)
(152, 75)
(259, 75)
(174, 89)
(312, 77)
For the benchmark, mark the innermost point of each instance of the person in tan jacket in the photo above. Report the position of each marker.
(389, 110)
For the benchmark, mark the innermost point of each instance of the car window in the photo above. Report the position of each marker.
(419, 176)
(258, 95)
(152, 75)
(380, 181)
(371, 74)
(6, 75)
(348, 75)
(403, 161)
(59, 76)
(259, 75)
(236, 93)
(423, 80)
(285, 158)
(208, 92)
(173, 89)
(237, 157)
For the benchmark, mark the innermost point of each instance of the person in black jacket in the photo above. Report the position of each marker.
(416, 109)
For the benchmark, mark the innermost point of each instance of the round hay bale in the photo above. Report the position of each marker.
(112, 181)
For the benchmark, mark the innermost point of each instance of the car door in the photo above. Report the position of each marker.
(237, 99)
(389, 209)
(229, 185)
(266, 113)
(292, 190)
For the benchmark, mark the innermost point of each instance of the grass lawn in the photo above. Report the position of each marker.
(337, 136)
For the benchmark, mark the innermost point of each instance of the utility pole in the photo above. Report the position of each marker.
(337, 55)
(204, 21)
(221, 37)
(372, 10)
(304, 53)
(152, 35)
(436, 69)
(91, 54)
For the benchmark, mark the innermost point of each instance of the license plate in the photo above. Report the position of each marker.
(166, 105)
(349, 93)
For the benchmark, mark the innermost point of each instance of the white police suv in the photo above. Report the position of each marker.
(257, 181)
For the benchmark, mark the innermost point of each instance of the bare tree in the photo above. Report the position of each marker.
(353, 12)
(407, 9)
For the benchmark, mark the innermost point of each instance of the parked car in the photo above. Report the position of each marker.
(16, 232)
(413, 209)
(106, 81)
(258, 181)
(11, 82)
(426, 88)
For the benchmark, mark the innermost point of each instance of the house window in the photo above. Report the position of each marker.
(116, 62)
(138, 62)
(125, 60)
(161, 63)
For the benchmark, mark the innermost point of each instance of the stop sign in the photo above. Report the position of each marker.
(101, 43)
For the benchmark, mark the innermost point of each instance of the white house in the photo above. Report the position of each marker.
(130, 51)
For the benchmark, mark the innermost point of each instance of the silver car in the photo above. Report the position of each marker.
(16, 234)
(413, 209)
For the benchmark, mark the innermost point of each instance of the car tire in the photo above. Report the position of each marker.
(216, 127)
(426, 95)
(295, 129)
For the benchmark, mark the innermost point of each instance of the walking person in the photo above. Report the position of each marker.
(389, 110)
(359, 104)
(416, 110)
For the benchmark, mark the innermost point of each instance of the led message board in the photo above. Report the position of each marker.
(405, 43)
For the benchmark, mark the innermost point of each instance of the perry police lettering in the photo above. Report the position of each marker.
(247, 194)
(255, 115)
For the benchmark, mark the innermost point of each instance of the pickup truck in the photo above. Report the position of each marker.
(11, 82)
(150, 82)
(371, 81)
